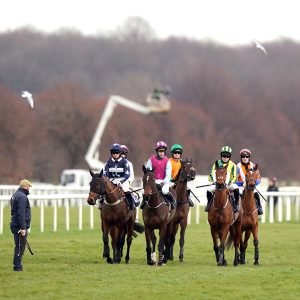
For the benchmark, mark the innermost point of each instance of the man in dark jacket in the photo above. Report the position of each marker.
(20, 220)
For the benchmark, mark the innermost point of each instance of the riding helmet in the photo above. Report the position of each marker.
(124, 149)
(245, 151)
(115, 148)
(176, 148)
(161, 145)
(226, 149)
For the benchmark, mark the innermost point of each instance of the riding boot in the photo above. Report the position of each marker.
(209, 197)
(236, 193)
(130, 200)
(258, 204)
(191, 203)
(143, 202)
(136, 200)
(171, 199)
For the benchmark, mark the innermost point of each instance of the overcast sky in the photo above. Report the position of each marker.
(230, 22)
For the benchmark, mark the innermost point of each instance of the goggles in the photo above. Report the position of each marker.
(115, 152)
(177, 152)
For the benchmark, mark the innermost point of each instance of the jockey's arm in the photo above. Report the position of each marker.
(148, 164)
(131, 177)
(168, 172)
(212, 174)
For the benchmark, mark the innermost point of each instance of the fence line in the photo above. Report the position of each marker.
(58, 196)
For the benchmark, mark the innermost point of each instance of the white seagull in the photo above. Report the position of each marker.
(259, 46)
(29, 98)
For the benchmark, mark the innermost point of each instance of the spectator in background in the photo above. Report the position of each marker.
(273, 188)
(20, 221)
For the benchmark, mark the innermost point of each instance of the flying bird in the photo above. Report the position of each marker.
(28, 97)
(259, 46)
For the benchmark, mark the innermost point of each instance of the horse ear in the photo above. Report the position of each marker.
(255, 167)
(92, 173)
(100, 174)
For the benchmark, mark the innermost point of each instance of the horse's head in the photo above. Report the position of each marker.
(221, 173)
(187, 172)
(96, 187)
(251, 177)
(149, 184)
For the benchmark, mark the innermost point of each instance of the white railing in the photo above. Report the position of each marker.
(287, 208)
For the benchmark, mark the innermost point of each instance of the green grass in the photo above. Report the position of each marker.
(69, 265)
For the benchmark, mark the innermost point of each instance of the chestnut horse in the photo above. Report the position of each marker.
(222, 219)
(156, 215)
(116, 219)
(186, 173)
(250, 216)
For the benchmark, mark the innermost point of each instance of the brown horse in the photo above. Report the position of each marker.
(116, 219)
(187, 173)
(250, 216)
(156, 216)
(222, 219)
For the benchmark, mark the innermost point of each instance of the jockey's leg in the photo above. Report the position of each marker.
(209, 196)
(171, 199)
(130, 200)
(236, 194)
(260, 210)
(191, 203)
(168, 195)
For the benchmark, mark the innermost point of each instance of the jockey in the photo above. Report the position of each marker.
(175, 159)
(118, 171)
(242, 167)
(162, 169)
(225, 161)
(124, 153)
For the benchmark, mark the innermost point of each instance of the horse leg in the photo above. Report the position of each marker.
(242, 251)
(161, 243)
(215, 243)
(129, 241)
(148, 234)
(114, 243)
(223, 235)
(153, 242)
(106, 251)
(236, 242)
(246, 238)
(255, 243)
(168, 241)
(183, 225)
(237, 231)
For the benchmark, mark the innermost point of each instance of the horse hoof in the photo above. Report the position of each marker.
(256, 263)
(109, 260)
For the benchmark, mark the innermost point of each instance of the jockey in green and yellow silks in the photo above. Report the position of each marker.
(231, 178)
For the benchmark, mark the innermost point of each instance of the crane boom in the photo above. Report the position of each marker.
(92, 156)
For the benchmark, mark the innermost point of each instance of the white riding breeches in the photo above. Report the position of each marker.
(230, 187)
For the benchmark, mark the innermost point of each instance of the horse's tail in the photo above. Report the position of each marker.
(140, 228)
(229, 241)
